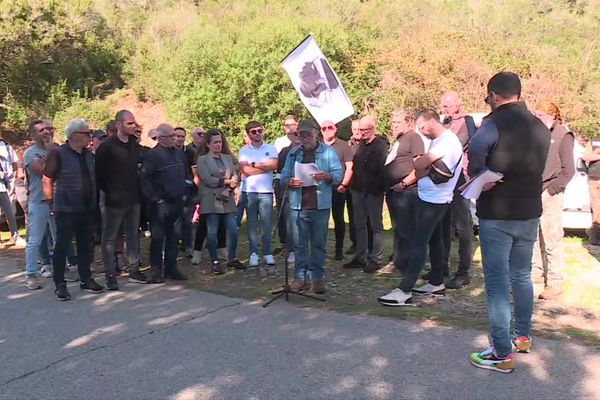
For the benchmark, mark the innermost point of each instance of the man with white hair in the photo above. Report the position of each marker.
(69, 185)
(163, 183)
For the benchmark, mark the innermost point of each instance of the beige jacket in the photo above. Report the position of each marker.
(212, 184)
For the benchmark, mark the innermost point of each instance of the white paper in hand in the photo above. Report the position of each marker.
(472, 189)
(304, 172)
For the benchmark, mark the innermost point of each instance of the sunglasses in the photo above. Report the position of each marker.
(256, 131)
(327, 128)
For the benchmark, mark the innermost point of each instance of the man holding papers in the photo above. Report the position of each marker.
(310, 171)
(513, 142)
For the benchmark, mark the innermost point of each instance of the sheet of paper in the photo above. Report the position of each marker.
(472, 189)
(304, 172)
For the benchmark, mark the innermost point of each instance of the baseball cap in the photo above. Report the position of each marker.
(98, 134)
(306, 125)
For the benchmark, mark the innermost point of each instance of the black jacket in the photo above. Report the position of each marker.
(163, 174)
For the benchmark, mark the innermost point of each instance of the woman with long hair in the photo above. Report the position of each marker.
(219, 176)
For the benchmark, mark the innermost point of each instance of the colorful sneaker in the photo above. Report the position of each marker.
(488, 360)
(522, 344)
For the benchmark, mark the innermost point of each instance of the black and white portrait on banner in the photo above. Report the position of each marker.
(317, 84)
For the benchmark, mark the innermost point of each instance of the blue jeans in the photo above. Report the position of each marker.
(260, 209)
(213, 222)
(39, 220)
(506, 249)
(428, 230)
(292, 229)
(162, 227)
(312, 227)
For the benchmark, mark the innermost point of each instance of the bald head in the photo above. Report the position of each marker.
(126, 124)
(450, 103)
(329, 131)
(368, 127)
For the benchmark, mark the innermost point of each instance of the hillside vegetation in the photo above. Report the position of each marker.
(217, 63)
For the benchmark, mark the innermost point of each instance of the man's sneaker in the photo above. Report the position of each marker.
(196, 257)
(549, 293)
(396, 298)
(253, 262)
(33, 282)
(389, 271)
(299, 285)
(156, 278)
(488, 360)
(372, 267)
(137, 277)
(269, 260)
(291, 259)
(217, 268)
(522, 344)
(354, 264)
(428, 288)
(318, 287)
(91, 286)
(47, 271)
(71, 274)
(222, 253)
(459, 281)
(18, 241)
(62, 294)
(236, 264)
(111, 283)
(175, 275)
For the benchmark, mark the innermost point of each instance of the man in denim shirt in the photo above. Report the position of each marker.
(310, 205)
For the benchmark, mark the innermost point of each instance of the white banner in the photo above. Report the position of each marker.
(317, 84)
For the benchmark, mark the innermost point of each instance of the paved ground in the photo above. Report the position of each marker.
(167, 342)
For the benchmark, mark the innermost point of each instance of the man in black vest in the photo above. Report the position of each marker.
(69, 184)
(514, 142)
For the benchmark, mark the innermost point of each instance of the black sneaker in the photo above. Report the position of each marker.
(372, 267)
(354, 264)
(62, 294)
(351, 250)
(175, 275)
(137, 277)
(236, 264)
(111, 283)
(339, 255)
(91, 286)
(156, 278)
(459, 281)
(217, 268)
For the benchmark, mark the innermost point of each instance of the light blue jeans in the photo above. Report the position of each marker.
(506, 248)
(312, 229)
(39, 220)
(260, 210)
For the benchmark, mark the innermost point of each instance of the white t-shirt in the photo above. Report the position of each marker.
(448, 148)
(8, 157)
(260, 183)
(281, 142)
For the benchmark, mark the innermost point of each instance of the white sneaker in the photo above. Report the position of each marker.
(222, 254)
(269, 260)
(253, 260)
(46, 271)
(18, 241)
(291, 258)
(428, 288)
(196, 257)
(396, 298)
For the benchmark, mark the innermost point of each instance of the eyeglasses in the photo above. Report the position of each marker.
(88, 133)
(366, 129)
(166, 136)
(256, 131)
(199, 133)
(327, 128)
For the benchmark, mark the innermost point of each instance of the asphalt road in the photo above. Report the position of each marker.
(167, 342)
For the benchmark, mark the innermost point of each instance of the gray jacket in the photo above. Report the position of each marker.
(212, 184)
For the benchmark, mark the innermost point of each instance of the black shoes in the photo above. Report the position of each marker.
(372, 267)
(236, 264)
(217, 268)
(459, 281)
(156, 278)
(91, 286)
(175, 275)
(62, 294)
(354, 264)
(111, 283)
(137, 277)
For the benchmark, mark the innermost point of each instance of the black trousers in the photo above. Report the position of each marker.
(81, 226)
(458, 219)
(338, 201)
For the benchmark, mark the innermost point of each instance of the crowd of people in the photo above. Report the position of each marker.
(104, 187)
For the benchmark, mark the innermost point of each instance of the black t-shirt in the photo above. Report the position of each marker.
(281, 158)
(368, 166)
(343, 151)
(117, 167)
(408, 145)
(309, 193)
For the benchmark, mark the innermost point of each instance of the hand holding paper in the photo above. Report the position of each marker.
(472, 189)
(305, 173)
